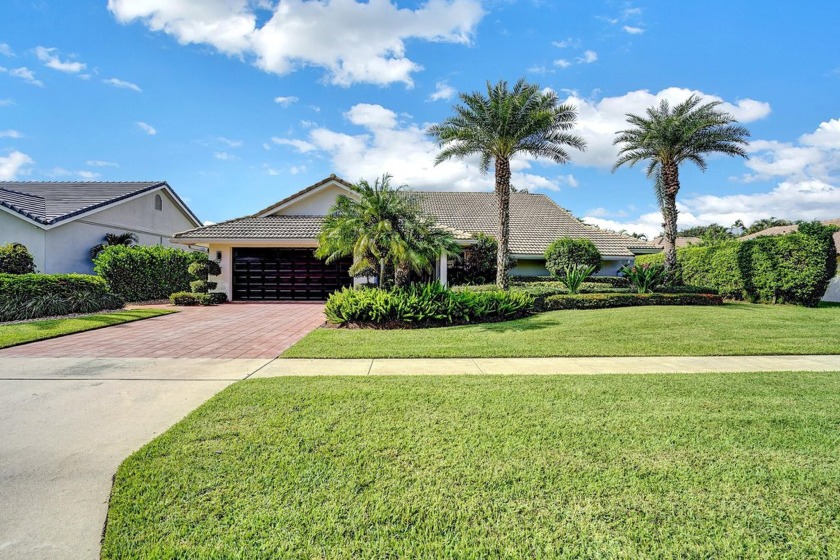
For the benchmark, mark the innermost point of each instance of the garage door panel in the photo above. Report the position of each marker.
(285, 274)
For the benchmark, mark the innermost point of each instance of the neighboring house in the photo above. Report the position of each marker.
(833, 292)
(680, 242)
(59, 222)
(269, 255)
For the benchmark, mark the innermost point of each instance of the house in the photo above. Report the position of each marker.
(833, 292)
(59, 222)
(269, 255)
(679, 242)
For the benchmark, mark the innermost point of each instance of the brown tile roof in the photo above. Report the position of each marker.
(680, 241)
(782, 230)
(535, 221)
(270, 227)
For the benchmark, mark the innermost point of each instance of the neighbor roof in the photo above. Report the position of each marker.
(679, 242)
(783, 230)
(49, 203)
(535, 221)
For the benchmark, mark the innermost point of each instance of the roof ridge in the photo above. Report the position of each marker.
(79, 182)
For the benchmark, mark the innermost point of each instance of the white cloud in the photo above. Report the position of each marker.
(208, 222)
(826, 136)
(24, 74)
(300, 145)
(230, 143)
(116, 82)
(815, 155)
(353, 41)
(100, 163)
(562, 63)
(7, 102)
(6, 50)
(225, 156)
(88, 175)
(633, 30)
(147, 128)
(51, 60)
(13, 164)
(56, 172)
(9, 133)
(296, 169)
(443, 91)
(565, 43)
(403, 149)
(588, 57)
(285, 101)
(599, 120)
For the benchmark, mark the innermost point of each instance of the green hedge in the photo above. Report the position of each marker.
(197, 298)
(423, 305)
(28, 296)
(16, 259)
(568, 251)
(143, 273)
(794, 268)
(604, 301)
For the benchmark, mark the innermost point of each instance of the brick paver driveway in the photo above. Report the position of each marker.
(233, 330)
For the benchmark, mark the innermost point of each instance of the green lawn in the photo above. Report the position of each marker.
(731, 329)
(667, 466)
(20, 333)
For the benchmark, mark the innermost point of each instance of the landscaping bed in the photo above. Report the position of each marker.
(13, 334)
(701, 466)
(731, 329)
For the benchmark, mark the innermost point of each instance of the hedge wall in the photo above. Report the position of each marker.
(143, 273)
(794, 268)
(29, 296)
(605, 301)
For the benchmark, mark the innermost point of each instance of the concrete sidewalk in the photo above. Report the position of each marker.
(547, 366)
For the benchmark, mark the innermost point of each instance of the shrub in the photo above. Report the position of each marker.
(794, 268)
(16, 259)
(574, 275)
(217, 297)
(28, 296)
(190, 299)
(143, 273)
(567, 251)
(614, 281)
(423, 305)
(604, 301)
(644, 277)
(477, 264)
(201, 269)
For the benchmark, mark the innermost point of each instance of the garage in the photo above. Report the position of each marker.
(285, 274)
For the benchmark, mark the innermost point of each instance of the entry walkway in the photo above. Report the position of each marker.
(548, 366)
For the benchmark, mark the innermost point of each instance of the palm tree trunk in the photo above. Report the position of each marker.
(503, 197)
(670, 187)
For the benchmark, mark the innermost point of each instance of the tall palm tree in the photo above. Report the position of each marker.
(499, 124)
(668, 136)
(112, 239)
(383, 230)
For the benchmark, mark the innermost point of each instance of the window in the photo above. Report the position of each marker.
(158, 202)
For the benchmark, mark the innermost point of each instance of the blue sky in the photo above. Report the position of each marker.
(239, 103)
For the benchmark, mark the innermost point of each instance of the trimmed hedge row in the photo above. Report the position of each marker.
(794, 268)
(29, 296)
(143, 273)
(614, 281)
(197, 298)
(423, 305)
(604, 301)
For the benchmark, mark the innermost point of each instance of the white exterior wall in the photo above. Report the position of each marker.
(536, 266)
(316, 203)
(833, 291)
(16, 230)
(66, 248)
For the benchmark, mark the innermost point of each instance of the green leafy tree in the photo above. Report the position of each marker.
(126, 239)
(383, 230)
(498, 124)
(15, 258)
(571, 252)
(666, 137)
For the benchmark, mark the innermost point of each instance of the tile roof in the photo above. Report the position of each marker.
(680, 241)
(250, 227)
(54, 201)
(782, 230)
(535, 221)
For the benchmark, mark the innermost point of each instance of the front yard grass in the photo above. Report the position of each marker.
(733, 329)
(667, 466)
(21, 333)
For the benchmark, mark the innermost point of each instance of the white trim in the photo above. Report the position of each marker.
(300, 195)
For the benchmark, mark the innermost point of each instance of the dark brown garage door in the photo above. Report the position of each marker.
(285, 274)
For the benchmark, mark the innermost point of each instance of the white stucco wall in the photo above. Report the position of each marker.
(66, 248)
(833, 291)
(316, 203)
(16, 230)
(536, 267)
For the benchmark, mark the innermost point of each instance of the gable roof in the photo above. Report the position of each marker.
(49, 203)
(302, 193)
(253, 227)
(535, 221)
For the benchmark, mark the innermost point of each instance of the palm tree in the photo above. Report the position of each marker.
(500, 124)
(383, 230)
(668, 136)
(111, 239)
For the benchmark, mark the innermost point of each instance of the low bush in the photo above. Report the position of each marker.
(573, 276)
(685, 290)
(604, 301)
(189, 299)
(568, 251)
(423, 305)
(614, 281)
(28, 296)
(644, 278)
(143, 273)
(794, 268)
(16, 259)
